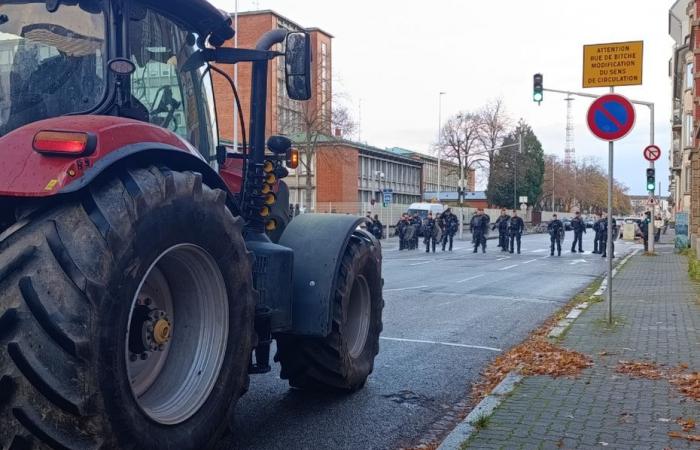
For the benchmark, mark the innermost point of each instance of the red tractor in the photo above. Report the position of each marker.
(144, 269)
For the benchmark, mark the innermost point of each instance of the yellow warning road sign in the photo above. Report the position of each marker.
(616, 64)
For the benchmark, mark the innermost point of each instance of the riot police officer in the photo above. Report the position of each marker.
(502, 225)
(479, 227)
(556, 229)
(516, 226)
(416, 223)
(401, 231)
(429, 229)
(644, 228)
(596, 239)
(604, 236)
(579, 227)
(450, 227)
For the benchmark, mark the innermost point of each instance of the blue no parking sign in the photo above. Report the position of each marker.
(611, 117)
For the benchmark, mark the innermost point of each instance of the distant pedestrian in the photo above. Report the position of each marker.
(579, 227)
(597, 225)
(502, 225)
(377, 227)
(516, 226)
(296, 210)
(658, 225)
(479, 227)
(450, 227)
(401, 227)
(416, 223)
(604, 236)
(644, 227)
(429, 230)
(556, 230)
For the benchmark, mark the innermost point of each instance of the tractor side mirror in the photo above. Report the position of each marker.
(297, 65)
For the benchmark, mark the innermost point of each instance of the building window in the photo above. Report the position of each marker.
(687, 179)
(689, 130)
(689, 75)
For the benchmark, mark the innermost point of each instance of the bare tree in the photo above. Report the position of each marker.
(495, 124)
(323, 118)
(461, 141)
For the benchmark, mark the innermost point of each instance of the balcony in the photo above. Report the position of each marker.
(677, 160)
(677, 121)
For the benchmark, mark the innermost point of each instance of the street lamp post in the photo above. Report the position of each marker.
(515, 171)
(439, 142)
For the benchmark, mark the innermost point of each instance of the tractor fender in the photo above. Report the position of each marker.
(318, 242)
(152, 153)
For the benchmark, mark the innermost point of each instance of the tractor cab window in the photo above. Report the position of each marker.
(52, 60)
(174, 99)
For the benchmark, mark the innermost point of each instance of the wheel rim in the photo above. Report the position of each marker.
(176, 334)
(357, 321)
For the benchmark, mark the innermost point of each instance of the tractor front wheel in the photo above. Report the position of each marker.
(126, 318)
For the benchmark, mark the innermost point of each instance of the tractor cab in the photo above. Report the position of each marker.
(55, 61)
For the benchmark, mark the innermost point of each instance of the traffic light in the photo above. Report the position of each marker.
(537, 88)
(651, 179)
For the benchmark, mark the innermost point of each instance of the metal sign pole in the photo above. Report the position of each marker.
(610, 226)
(610, 229)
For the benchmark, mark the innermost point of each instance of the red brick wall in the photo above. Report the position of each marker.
(337, 173)
(250, 28)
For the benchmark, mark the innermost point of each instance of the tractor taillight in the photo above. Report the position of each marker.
(65, 143)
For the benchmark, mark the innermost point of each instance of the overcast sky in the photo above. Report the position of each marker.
(396, 56)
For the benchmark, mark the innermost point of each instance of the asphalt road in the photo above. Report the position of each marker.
(446, 316)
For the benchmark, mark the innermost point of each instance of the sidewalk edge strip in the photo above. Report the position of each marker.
(465, 429)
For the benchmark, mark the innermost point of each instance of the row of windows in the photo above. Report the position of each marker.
(393, 172)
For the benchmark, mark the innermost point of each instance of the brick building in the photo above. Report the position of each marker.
(282, 113)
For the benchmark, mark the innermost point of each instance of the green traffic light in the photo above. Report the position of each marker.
(537, 96)
(651, 187)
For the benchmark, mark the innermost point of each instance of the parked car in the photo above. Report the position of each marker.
(589, 223)
(567, 224)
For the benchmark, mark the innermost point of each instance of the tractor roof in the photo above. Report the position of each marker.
(201, 14)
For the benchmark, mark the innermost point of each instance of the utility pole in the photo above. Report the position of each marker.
(439, 142)
(515, 170)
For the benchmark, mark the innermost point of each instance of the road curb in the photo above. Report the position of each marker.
(484, 408)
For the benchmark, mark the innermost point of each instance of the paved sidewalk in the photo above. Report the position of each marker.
(659, 315)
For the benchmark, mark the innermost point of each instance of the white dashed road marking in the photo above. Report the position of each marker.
(508, 267)
(449, 344)
(470, 278)
(405, 289)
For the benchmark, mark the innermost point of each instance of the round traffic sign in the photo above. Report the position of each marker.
(652, 153)
(611, 117)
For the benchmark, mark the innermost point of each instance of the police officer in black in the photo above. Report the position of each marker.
(644, 227)
(516, 226)
(596, 240)
(604, 236)
(416, 222)
(450, 227)
(401, 226)
(479, 226)
(579, 227)
(502, 225)
(556, 229)
(429, 230)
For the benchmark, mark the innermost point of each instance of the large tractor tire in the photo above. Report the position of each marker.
(344, 359)
(126, 318)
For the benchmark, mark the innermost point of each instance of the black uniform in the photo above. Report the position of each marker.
(416, 223)
(516, 226)
(401, 231)
(479, 227)
(596, 240)
(644, 227)
(502, 225)
(604, 237)
(579, 227)
(377, 229)
(429, 234)
(556, 229)
(450, 227)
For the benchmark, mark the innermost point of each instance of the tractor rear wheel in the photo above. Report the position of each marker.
(126, 318)
(344, 359)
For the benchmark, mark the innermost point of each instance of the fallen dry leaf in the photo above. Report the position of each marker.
(686, 424)
(687, 437)
(639, 369)
(687, 384)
